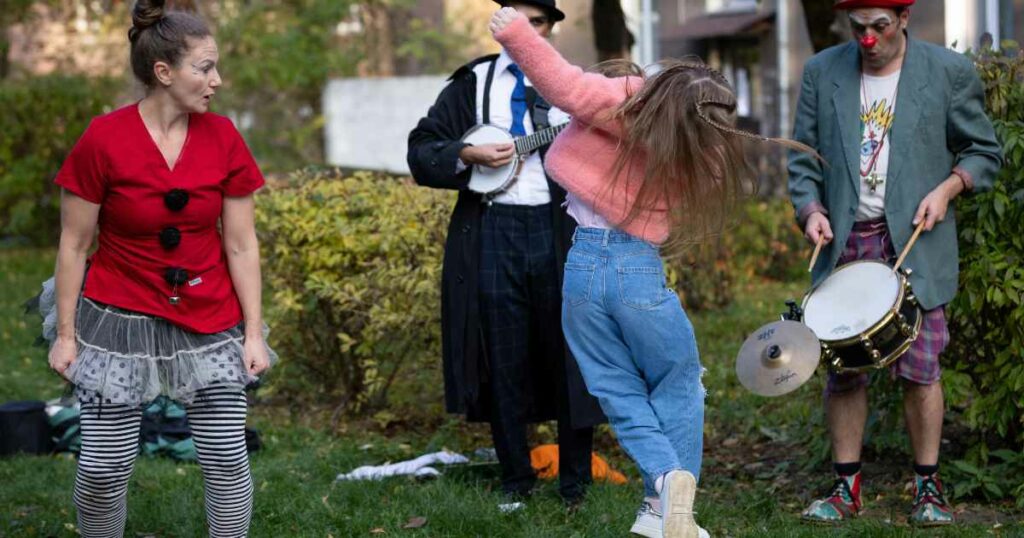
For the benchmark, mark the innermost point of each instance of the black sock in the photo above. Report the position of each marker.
(847, 469)
(926, 470)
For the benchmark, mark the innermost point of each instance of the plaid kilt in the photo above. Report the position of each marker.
(870, 240)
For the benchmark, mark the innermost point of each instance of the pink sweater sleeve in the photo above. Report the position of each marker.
(587, 97)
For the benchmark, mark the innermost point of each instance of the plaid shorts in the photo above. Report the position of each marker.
(870, 240)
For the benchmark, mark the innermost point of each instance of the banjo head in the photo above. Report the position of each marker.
(485, 179)
(851, 300)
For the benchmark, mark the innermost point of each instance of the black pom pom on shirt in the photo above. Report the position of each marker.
(176, 199)
(170, 237)
(175, 276)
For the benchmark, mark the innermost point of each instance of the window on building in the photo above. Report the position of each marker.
(731, 5)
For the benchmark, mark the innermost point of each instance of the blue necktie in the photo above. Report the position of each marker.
(518, 102)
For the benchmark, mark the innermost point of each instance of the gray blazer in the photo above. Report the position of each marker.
(940, 127)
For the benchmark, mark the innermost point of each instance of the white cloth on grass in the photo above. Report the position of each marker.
(419, 467)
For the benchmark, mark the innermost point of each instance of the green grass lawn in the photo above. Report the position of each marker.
(756, 474)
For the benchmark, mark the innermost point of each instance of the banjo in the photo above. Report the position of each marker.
(487, 180)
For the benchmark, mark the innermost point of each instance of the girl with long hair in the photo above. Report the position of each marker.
(652, 165)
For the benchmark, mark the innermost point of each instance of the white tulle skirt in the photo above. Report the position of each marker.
(125, 357)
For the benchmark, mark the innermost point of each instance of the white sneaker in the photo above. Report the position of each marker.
(648, 523)
(677, 494)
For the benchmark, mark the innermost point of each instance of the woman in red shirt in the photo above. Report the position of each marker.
(170, 304)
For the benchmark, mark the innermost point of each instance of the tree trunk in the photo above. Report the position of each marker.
(5, 50)
(611, 36)
(380, 46)
(820, 19)
(13, 12)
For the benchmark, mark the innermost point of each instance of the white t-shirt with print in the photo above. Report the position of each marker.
(878, 111)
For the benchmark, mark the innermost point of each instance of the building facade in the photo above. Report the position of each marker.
(762, 45)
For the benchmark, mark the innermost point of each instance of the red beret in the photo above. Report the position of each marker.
(855, 4)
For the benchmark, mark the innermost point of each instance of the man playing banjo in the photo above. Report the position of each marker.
(903, 126)
(505, 359)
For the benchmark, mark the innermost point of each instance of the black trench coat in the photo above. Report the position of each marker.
(434, 147)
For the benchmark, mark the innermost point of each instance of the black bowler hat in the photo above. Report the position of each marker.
(549, 5)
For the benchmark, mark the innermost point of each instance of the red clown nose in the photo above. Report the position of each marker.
(868, 41)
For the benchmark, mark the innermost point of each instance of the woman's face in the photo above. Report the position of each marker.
(193, 83)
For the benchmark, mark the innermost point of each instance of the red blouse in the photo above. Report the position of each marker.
(118, 165)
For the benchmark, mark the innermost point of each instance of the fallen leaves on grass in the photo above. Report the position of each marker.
(415, 522)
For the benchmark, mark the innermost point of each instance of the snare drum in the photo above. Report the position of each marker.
(864, 314)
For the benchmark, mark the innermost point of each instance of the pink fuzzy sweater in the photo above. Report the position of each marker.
(582, 157)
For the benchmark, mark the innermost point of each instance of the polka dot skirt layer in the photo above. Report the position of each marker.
(129, 358)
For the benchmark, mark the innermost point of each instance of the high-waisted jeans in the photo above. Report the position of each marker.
(636, 349)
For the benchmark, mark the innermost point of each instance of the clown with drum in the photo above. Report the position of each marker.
(903, 128)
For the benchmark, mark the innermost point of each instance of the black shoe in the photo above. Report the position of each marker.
(573, 496)
(516, 495)
(573, 504)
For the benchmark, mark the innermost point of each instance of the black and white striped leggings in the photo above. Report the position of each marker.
(110, 443)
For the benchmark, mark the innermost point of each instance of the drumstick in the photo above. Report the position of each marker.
(906, 249)
(817, 250)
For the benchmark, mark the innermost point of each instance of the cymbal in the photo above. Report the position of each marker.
(778, 358)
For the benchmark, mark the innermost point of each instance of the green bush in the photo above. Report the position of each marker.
(41, 121)
(352, 270)
(987, 318)
(767, 243)
(277, 100)
(763, 242)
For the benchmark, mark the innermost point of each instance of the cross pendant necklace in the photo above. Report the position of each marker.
(874, 181)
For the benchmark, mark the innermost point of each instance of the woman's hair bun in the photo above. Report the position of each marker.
(146, 13)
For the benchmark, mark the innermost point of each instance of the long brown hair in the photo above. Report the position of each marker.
(682, 120)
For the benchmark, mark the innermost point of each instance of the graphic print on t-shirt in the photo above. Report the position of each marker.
(877, 114)
(877, 121)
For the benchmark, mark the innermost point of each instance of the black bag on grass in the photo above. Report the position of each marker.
(24, 428)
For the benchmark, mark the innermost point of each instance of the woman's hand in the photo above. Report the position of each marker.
(255, 356)
(63, 354)
(502, 18)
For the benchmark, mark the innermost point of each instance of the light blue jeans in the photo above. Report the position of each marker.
(636, 350)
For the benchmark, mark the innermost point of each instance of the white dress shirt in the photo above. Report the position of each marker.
(531, 187)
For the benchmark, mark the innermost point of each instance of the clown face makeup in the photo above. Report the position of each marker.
(193, 83)
(879, 33)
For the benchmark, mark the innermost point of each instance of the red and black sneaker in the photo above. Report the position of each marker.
(841, 503)
(930, 507)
